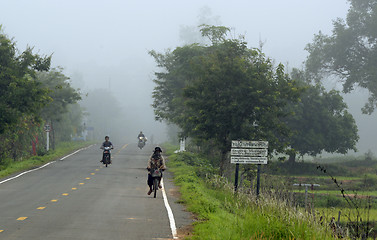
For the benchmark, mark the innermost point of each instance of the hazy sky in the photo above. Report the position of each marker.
(107, 42)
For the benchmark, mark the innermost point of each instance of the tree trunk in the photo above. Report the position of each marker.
(292, 157)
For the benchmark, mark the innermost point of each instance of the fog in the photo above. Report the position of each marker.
(105, 44)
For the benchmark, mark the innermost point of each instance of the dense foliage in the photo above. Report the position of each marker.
(320, 121)
(20, 94)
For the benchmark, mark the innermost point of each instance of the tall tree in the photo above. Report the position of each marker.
(21, 95)
(62, 95)
(224, 91)
(320, 121)
(350, 52)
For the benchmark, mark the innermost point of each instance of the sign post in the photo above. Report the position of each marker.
(47, 129)
(248, 152)
(236, 177)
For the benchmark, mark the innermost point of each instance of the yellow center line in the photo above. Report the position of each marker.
(92, 174)
(125, 146)
(87, 178)
(1, 231)
(21, 218)
(41, 208)
(97, 170)
(82, 183)
(74, 188)
(65, 194)
(122, 148)
(54, 200)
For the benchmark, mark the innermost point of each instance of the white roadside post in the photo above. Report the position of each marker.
(182, 145)
(306, 185)
(47, 130)
(248, 152)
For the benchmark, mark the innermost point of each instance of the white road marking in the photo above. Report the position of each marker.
(61, 159)
(29, 171)
(170, 212)
(19, 175)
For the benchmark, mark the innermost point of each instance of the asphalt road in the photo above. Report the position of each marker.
(78, 198)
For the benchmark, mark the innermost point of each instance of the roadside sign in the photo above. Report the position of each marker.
(249, 152)
(248, 160)
(47, 128)
(249, 144)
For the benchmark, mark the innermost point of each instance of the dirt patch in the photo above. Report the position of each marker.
(185, 231)
(175, 192)
(357, 196)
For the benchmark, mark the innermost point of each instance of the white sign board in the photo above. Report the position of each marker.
(249, 152)
(248, 160)
(249, 144)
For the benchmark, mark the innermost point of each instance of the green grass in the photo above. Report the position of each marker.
(347, 214)
(223, 215)
(36, 161)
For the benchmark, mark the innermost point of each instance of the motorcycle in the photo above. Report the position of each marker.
(106, 156)
(156, 175)
(141, 142)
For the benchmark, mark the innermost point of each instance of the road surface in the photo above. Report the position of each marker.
(78, 198)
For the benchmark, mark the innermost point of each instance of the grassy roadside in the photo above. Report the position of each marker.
(36, 161)
(222, 215)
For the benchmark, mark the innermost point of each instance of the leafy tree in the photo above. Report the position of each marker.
(350, 52)
(321, 122)
(168, 95)
(62, 95)
(224, 91)
(20, 94)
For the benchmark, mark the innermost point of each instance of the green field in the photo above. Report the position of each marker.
(347, 214)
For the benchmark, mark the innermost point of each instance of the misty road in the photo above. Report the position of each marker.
(78, 198)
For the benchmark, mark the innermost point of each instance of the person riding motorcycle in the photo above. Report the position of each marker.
(141, 140)
(155, 161)
(106, 143)
(141, 134)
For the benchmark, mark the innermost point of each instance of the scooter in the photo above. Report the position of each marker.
(106, 156)
(141, 142)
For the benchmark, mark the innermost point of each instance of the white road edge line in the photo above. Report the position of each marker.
(170, 212)
(19, 175)
(61, 159)
(29, 171)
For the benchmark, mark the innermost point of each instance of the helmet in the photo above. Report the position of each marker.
(157, 149)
